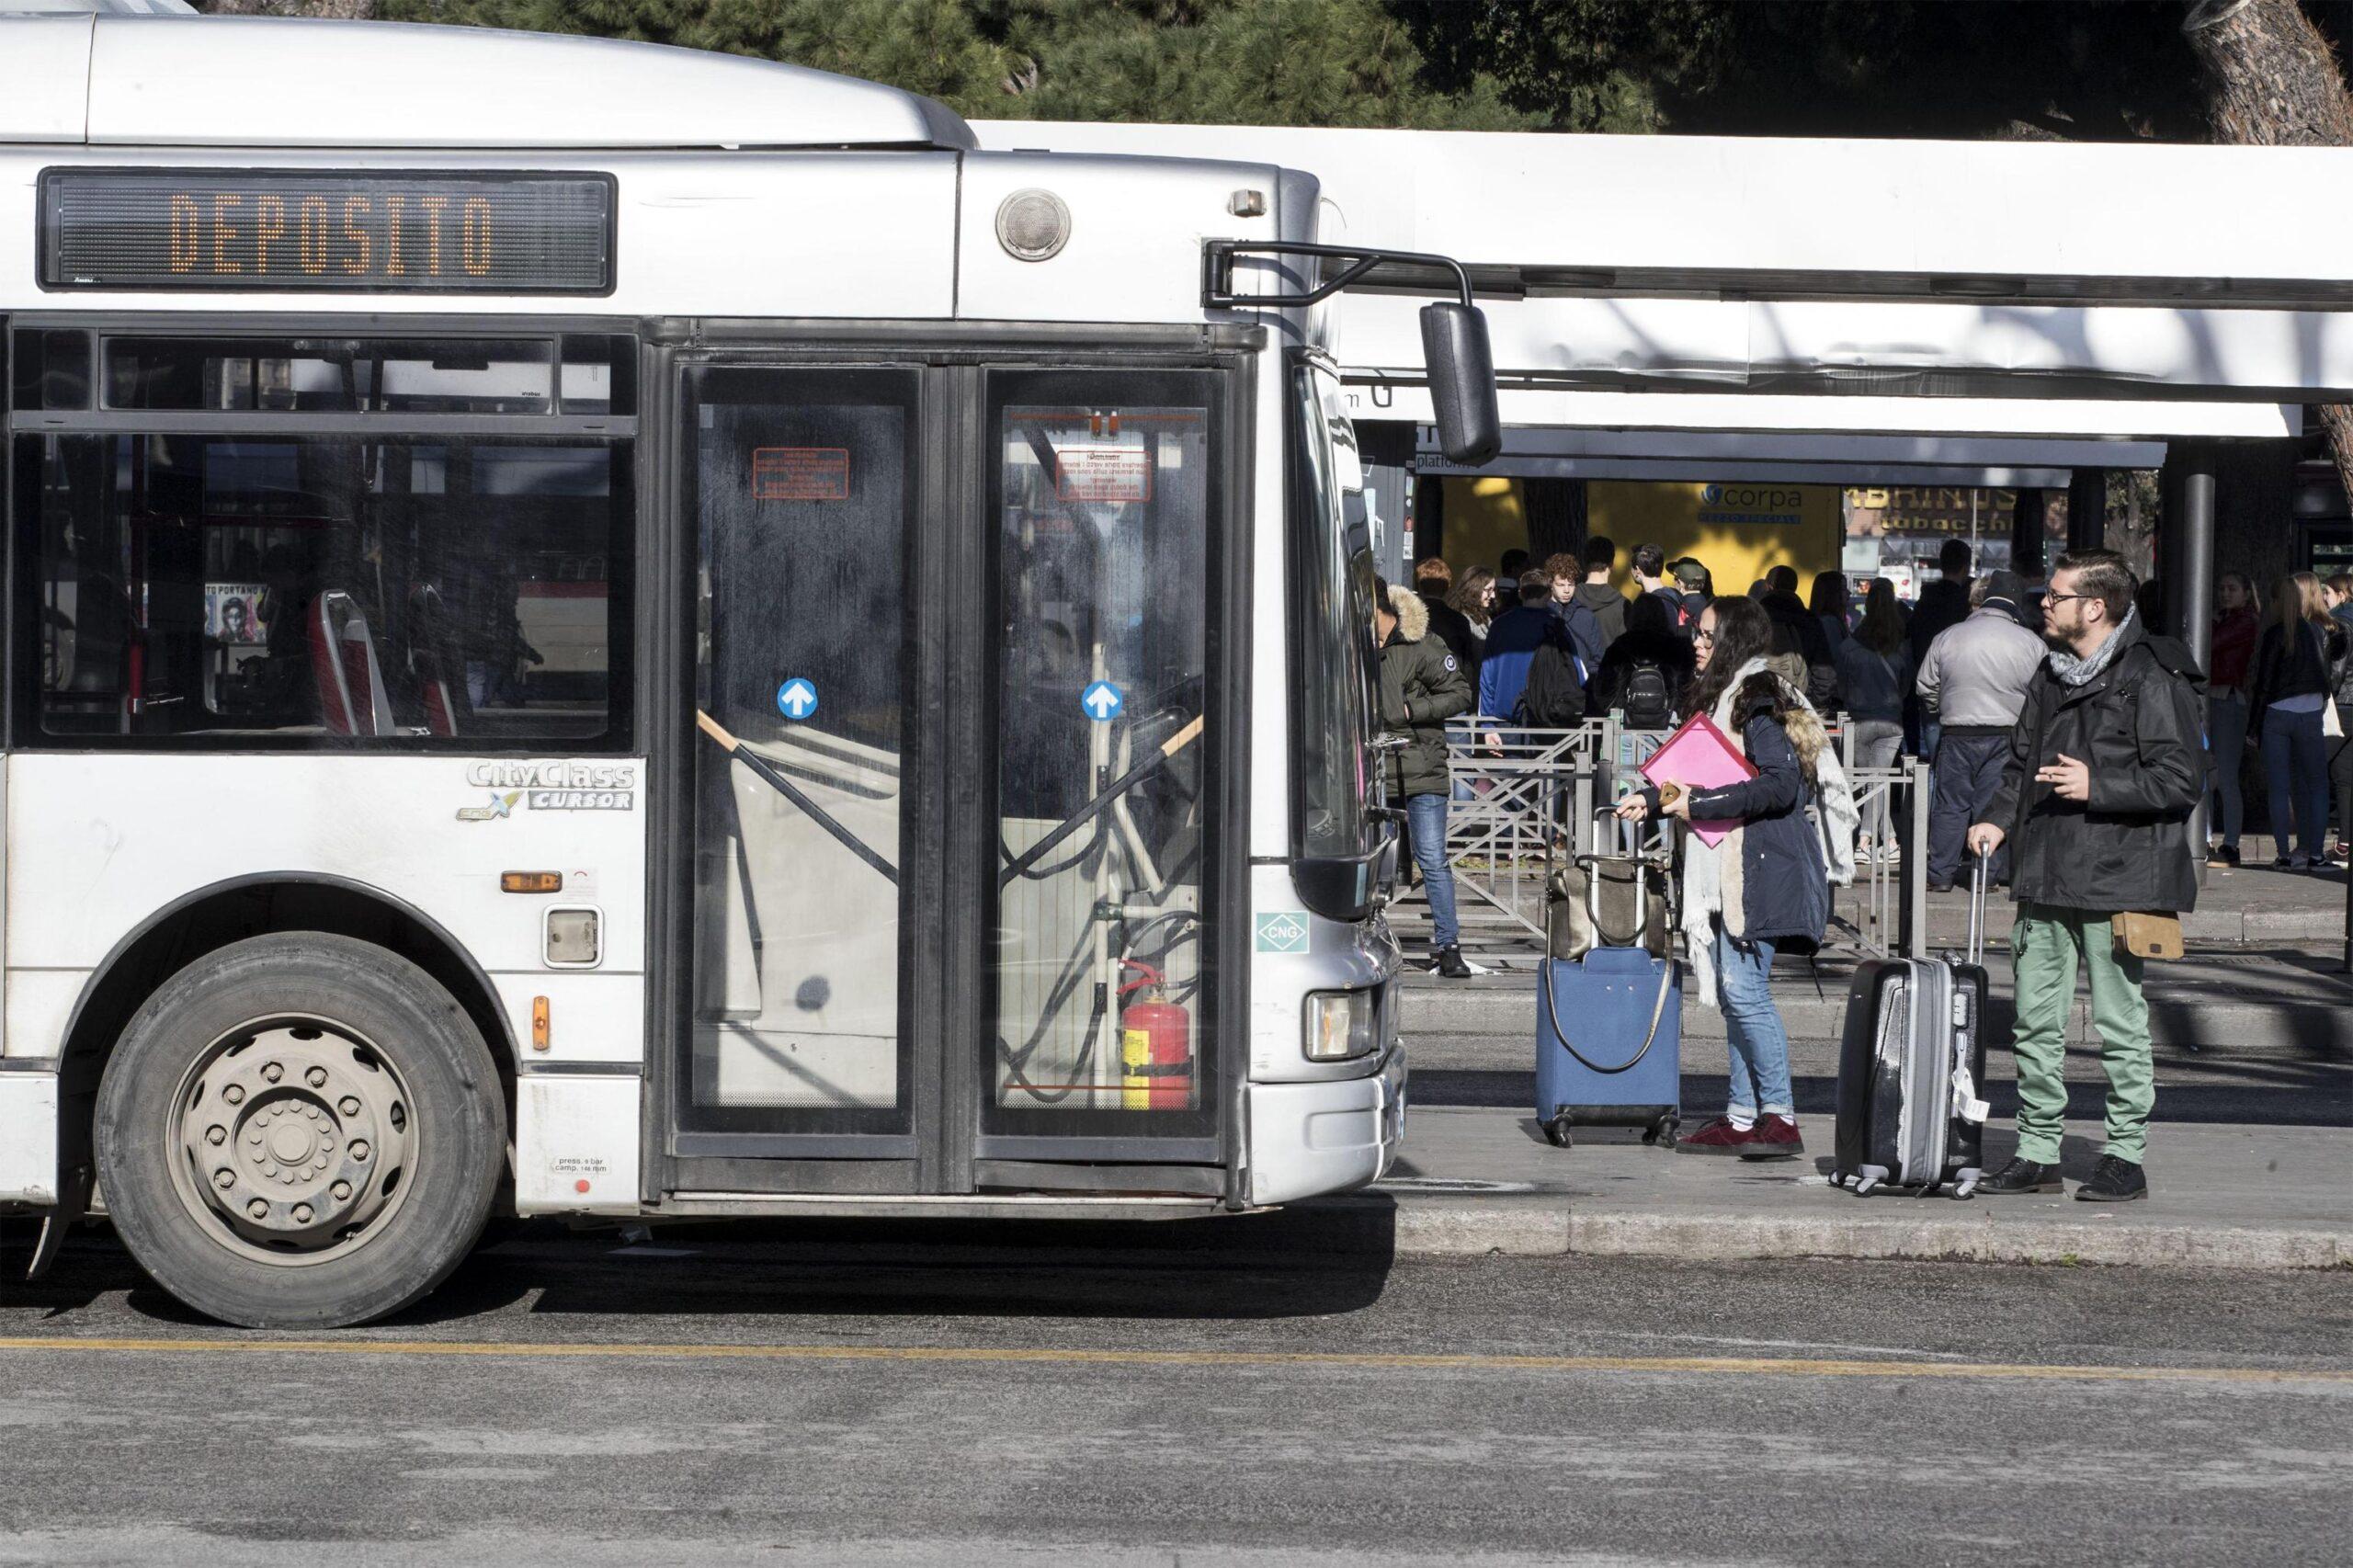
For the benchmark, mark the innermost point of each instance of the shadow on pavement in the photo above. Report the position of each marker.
(1289, 1262)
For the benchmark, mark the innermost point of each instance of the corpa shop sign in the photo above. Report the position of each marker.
(1747, 506)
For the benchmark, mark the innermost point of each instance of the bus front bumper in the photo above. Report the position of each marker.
(1307, 1140)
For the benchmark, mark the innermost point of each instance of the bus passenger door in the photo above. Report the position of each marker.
(1106, 503)
(808, 797)
(956, 752)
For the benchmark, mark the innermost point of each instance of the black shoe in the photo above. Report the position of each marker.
(2021, 1176)
(2224, 855)
(2114, 1181)
(1449, 964)
(1939, 887)
(2286, 863)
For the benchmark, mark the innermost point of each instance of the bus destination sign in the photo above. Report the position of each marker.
(365, 233)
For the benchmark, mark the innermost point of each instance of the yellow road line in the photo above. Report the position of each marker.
(1738, 1365)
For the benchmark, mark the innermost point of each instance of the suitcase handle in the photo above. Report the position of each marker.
(1552, 1020)
(1977, 875)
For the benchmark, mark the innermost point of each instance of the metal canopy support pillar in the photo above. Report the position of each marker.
(2087, 509)
(2026, 534)
(2187, 550)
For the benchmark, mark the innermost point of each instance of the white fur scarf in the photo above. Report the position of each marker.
(1713, 878)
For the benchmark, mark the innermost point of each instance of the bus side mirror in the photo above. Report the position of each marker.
(1463, 383)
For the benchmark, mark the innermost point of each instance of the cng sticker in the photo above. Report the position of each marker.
(1282, 932)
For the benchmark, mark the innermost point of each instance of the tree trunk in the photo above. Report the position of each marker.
(2272, 80)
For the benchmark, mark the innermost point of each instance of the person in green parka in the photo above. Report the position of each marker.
(1422, 686)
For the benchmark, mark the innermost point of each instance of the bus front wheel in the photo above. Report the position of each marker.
(300, 1131)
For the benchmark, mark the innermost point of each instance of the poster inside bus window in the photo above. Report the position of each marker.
(233, 613)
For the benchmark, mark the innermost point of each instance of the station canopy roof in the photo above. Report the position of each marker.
(2032, 289)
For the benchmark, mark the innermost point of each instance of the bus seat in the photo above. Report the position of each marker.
(441, 713)
(352, 699)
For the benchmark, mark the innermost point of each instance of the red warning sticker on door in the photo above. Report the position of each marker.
(1102, 474)
(801, 473)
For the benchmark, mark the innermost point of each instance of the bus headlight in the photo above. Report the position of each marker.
(1340, 1024)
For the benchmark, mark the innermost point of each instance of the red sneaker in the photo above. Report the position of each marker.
(1718, 1137)
(1774, 1137)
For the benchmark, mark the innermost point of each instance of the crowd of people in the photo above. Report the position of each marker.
(2067, 746)
(1547, 645)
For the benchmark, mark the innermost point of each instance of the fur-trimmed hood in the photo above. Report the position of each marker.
(1412, 614)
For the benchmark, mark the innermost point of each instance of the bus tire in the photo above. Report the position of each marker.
(300, 1131)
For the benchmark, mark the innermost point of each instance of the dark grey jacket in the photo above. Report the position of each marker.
(2137, 726)
(1785, 887)
(1422, 686)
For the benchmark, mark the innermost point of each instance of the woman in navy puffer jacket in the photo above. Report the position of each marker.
(1766, 887)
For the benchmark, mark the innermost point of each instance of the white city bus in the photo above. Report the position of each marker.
(640, 633)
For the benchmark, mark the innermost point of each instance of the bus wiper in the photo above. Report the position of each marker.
(1112, 791)
(774, 780)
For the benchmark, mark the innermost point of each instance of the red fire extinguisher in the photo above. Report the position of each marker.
(1155, 1046)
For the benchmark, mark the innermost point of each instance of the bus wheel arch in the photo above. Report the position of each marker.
(202, 922)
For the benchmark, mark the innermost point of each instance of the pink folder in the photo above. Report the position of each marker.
(1700, 756)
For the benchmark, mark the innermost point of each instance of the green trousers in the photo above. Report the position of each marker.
(2045, 945)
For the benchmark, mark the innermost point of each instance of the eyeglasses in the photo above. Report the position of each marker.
(1703, 636)
(2061, 598)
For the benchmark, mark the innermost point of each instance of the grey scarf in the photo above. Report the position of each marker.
(2072, 671)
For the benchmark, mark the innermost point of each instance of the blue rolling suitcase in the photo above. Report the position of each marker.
(1610, 1022)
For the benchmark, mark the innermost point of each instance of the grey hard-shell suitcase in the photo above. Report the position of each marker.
(1909, 1065)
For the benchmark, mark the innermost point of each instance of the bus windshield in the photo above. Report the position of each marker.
(1331, 640)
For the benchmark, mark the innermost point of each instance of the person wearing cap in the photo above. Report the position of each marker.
(1697, 585)
(1972, 685)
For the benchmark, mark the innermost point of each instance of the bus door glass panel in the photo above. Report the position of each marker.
(1102, 577)
(804, 489)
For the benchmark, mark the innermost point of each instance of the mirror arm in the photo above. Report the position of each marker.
(1217, 271)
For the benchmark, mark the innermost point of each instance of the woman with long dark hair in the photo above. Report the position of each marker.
(1764, 887)
(1473, 597)
(2292, 664)
(1828, 602)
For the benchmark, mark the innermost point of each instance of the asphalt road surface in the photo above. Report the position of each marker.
(771, 1396)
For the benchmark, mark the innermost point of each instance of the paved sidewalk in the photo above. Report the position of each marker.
(1476, 1180)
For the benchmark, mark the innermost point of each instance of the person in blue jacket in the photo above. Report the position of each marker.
(1512, 641)
(1764, 887)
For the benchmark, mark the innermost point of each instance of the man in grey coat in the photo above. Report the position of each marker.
(1972, 683)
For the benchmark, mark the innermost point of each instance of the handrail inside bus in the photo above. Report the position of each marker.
(774, 780)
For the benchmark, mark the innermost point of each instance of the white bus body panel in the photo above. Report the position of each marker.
(272, 82)
(28, 1138)
(98, 844)
(575, 1144)
(862, 234)
(47, 76)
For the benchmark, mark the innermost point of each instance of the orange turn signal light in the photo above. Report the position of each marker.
(538, 1023)
(530, 881)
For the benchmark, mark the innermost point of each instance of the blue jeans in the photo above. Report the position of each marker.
(2226, 750)
(2295, 761)
(1425, 825)
(1961, 782)
(1753, 1031)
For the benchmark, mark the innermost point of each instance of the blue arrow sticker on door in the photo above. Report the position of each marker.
(797, 698)
(1102, 701)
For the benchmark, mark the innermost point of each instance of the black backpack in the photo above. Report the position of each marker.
(1648, 704)
(1554, 698)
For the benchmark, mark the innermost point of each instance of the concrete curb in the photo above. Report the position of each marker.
(1544, 1226)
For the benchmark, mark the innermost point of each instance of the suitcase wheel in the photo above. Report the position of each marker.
(1661, 1132)
(1556, 1132)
